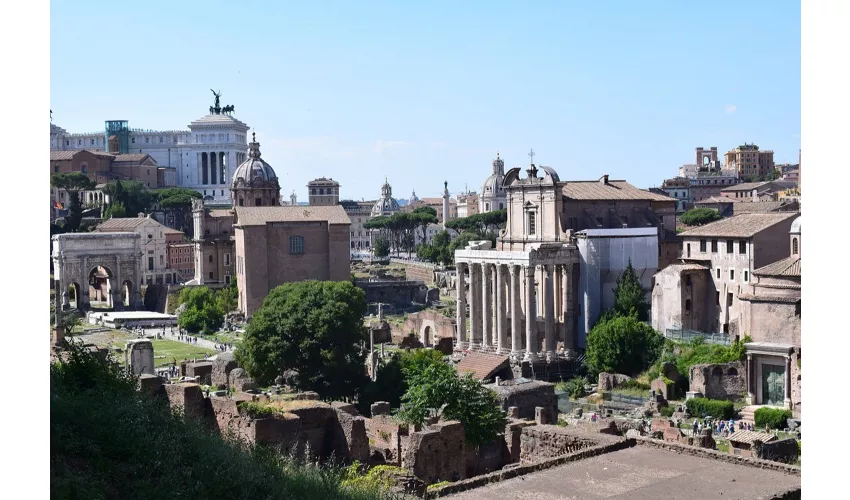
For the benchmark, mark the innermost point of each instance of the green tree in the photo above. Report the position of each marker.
(178, 203)
(202, 312)
(115, 210)
(312, 327)
(461, 398)
(699, 216)
(629, 295)
(424, 216)
(381, 247)
(395, 373)
(438, 250)
(72, 183)
(227, 298)
(622, 344)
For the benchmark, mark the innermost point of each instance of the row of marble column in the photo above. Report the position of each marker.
(496, 290)
(213, 167)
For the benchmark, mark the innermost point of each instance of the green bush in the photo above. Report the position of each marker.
(622, 344)
(775, 418)
(704, 407)
(667, 411)
(699, 216)
(109, 440)
(574, 387)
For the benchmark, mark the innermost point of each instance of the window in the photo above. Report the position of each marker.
(227, 278)
(133, 140)
(702, 246)
(258, 202)
(211, 275)
(92, 142)
(147, 140)
(718, 273)
(67, 143)
(729, 299)
(742, 247)
(795, 246)
(150, 263)
(718, 298)
(210, 259)
(688, 280)
(55, 168)
(730, 247)
(713, 246)
(689, 249)
(227, 259)
(688, 305)
(731, 275)
(84, 168)
(746, 276)
(532, 223)
(501, 206)
(296, 245)
(161, 260)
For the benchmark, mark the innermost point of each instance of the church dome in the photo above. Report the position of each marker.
(254, 171)
(493, 184)
(386, 204)
(795, 226)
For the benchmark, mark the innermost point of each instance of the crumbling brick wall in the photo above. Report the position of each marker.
(188, 397)
(384, 435)
(541, 442)
(349, 432)
(719, 381)
(437, 453)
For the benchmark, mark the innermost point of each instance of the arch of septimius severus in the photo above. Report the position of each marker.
(534, 267)
(77, 257)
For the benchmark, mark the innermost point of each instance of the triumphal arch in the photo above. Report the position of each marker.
(98, 267)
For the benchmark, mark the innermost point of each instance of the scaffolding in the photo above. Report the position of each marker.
(121, 130)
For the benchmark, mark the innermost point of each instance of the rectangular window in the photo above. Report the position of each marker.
(296, 245)
(702, 246)
(227, 278)
(746, 276)
(55, 168)
(161, 259)
(729, 299)
(718, 298)
(150, 263)
(713, 246)
(133, 140)
(718, 273)
(532, 223)
(210, 259)
(730, 247)
(742, 247)
(211, 275)
(227, 259)
(147, 140)
(731, 275)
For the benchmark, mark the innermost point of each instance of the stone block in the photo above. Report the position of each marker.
(608, 381)
(138, 356)
(665, 390)
(542, 416)
(150, 384)
(187, 396)
(513, 412)
(240, 380)
(380, 408)
(222, 366)
(306, 396)
(202, 370)
(445, 345)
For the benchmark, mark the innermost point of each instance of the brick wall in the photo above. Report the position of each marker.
(542, 442)
(437, 453)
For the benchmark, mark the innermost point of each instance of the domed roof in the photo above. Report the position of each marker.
(254, 169)
(386, 204)
(795, 226)
(493, 184)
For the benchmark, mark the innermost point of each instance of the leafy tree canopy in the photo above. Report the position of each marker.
(73, 181)
(202, 312)
(629, 295)
(312, 327)
(622, 344)
(381, 247)
(699, 216)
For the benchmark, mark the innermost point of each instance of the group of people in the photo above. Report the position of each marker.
(721, 427)
(224, 347)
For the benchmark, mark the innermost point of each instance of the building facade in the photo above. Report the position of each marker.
(323, 192)
(467, 204)
(204, 157)
(749, 161)
(729, 251)
(359, 213)
(277, 245)
(708, 184)
(154, 240)
(181, 258)
(678, 188)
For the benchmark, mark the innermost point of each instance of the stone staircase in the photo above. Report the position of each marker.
(748, 414)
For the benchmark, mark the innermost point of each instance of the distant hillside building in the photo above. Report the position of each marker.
(749, 161)
(323, 192)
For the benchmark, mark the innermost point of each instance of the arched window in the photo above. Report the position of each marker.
(795, 246)
(241, 202)
(717, 371)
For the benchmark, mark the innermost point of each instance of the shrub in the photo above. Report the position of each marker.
(704, 407)
(775, 418)
(699, 216)
(667, 411)
(622, 344)
(574, 387)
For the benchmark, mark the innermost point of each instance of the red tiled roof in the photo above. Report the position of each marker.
(482, 366)
(613, 190)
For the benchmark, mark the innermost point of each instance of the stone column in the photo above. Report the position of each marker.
(787, 381)
(530, 316)
(474, 304)
(549, 310)
(501, 311)
(516, 312)
(750, 379)
(486, 306)
(461, 305)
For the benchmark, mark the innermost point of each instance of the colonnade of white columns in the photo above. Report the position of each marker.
(495, 300)
(212, 168)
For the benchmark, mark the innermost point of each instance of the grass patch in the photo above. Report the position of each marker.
(165, 351)
(722, 445)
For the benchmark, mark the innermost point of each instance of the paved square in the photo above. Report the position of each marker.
(641, 473)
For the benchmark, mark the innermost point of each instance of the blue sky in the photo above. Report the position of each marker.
(422, 92)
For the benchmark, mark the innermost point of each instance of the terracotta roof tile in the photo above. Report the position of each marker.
(614, 190)
(789, 266)
(740, 226)
(131, 158)
(258, 216)
(482, 366)
(69, 154)
(747, 437)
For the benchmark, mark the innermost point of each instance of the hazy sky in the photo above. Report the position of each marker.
(422, 92)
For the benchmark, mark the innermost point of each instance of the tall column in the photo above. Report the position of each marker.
(570, 341)
(461, 305)
(530, 315)
(475, 304)
(751, 375)
(549, 310)
(516, 312)
(501, 311)
(487, 306)
(788, 382)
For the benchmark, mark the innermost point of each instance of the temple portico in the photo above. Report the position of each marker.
(520, 302)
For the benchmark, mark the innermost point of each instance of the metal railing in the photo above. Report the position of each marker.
(686, 335)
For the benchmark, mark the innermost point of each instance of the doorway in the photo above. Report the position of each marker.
(773, 385)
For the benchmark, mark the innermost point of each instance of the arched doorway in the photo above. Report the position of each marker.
(100, 282)
(127, 293)
(72, 296)
(426, 336)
